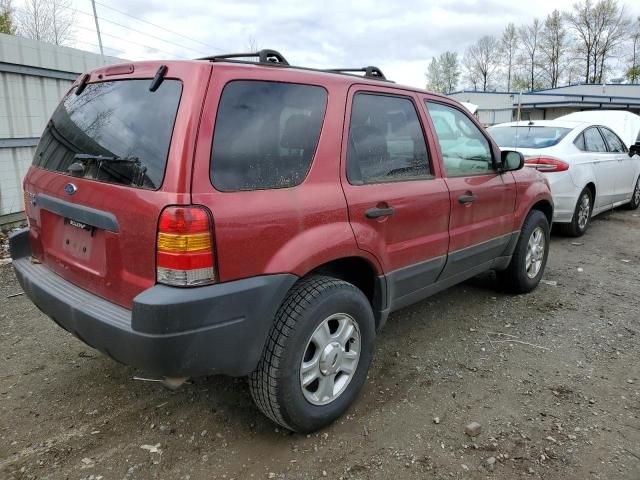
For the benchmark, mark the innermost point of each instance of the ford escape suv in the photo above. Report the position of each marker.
(251, 218)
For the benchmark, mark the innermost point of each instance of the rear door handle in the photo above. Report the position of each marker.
(466, 198)
(376, 212)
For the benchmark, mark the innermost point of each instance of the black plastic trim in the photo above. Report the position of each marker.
(170, 331)
(467, 258)
(417, 282)
(80, 213)
(19, 245)
(406, 280)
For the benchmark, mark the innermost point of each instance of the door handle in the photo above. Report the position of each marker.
(466, 198)
(376, 212)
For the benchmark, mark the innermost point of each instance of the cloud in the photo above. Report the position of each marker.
(399, 37)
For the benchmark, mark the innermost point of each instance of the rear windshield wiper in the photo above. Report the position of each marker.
(87, 157)
(102, 161)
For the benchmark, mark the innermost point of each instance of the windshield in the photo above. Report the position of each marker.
(116, 132)
(527, 136)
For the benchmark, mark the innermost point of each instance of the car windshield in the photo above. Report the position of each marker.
(528, 136)
(115, 132)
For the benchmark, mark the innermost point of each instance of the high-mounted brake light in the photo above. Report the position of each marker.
(185, 255)
(546, 164)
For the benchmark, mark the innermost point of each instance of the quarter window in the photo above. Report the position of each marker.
(386, 143)
(266, 134)
(465, 150)
(614, 143)
(593, 141)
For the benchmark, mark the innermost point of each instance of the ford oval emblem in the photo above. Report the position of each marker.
(70, 189)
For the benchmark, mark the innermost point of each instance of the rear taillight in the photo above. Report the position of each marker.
(185, 247)
(546, 164)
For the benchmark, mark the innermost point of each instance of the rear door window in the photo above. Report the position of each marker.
(386, 143)
(115, 132)
(593, 141)
(579, 142)
(266, 134)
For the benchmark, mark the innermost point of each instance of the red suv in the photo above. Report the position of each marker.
(254, 218)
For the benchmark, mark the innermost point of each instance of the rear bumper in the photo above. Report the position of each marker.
(170, 331)
(565, 195)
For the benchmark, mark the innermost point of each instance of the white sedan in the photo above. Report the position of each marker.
(589, 168)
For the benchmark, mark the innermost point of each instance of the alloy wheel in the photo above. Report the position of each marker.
(535, 252)
(330, 359)
(584, 211)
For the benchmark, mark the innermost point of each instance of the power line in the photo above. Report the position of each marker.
(116, 37)
(102, 19)
(134, 42)
(158, 26)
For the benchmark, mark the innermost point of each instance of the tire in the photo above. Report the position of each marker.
(295, 339)
(518, 278)
(579, 224)
(635, 197)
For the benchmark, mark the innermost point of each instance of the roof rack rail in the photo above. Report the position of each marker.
(369, 72)
(263, 56)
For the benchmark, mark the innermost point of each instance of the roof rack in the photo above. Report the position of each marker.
(275, 58)
(369, 72)
(263, 56)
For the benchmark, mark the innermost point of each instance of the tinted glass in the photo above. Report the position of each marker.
(593, 141)
(386, 143)
(614, 143)
(579, 142)
(465, 150)
(265, 135)
(116, 132)
(527, 136)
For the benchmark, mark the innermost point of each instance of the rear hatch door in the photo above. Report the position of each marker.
(110, 159)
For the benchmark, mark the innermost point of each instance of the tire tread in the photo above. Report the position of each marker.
(263, 380)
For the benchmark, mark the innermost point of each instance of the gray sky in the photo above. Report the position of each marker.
(399, 37)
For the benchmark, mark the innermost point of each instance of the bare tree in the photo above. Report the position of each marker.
(482, 60)
(48, 21)
(509, 45)
(600, 29)
(529, 36)
(62, 21)
(553, 43)
(633, 71)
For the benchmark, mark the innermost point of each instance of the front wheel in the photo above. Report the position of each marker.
(635, 197)
(317, 355)
(530, 256)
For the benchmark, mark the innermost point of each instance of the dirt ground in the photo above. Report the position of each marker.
(563, 404)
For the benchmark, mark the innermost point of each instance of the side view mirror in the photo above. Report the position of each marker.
(634, 149)
(512, 160)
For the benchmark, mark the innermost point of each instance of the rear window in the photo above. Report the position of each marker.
(266, 134)
(527, 136)
(115, 132)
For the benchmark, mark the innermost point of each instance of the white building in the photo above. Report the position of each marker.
(499, 107)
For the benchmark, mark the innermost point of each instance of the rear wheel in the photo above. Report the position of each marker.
(581, 216)
(317, 354)
(530, 255)
(635, 197)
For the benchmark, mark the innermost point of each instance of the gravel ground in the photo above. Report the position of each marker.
(552, 377)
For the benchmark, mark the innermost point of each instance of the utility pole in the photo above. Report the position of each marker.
(95, 17)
